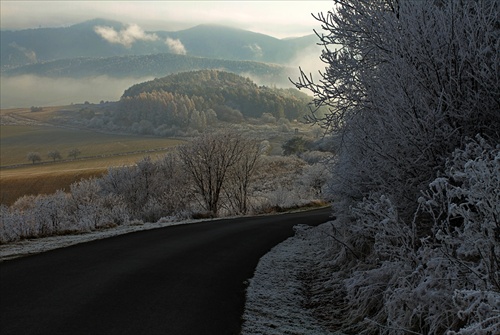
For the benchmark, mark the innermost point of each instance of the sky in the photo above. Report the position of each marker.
(279, 19)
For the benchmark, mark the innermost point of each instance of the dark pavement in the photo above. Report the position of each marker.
(186, 279)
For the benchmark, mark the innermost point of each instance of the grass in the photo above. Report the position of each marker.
(15, 186)
(99, 151)
(16, 141)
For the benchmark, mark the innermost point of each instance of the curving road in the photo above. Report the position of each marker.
(187, 279)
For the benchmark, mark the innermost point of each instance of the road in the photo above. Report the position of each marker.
(187, 279)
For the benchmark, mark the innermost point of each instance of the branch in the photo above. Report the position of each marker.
(343, 243)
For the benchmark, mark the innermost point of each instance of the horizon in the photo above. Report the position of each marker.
(140, 20)
(281, 19)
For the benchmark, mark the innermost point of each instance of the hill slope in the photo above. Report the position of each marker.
(156, 65)
(89, 39)
(192, 101)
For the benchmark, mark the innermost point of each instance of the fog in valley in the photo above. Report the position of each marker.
(30, 90)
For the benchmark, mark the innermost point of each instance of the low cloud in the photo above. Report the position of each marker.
(29, 54)
(308, 59)
(175, 46)
(125, 37)
(255, 49)
(29, 90)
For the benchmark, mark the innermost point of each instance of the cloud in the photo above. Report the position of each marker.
(29, 54)
(175, 46)
(255, 49)
(125, 37)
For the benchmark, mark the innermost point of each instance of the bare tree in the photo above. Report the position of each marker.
(73, 153)
(34, 157)
(54, 154)
(208, 160)
(240, 176)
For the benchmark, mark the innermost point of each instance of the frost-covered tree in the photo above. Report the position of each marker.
(237, 187)
(54, 154)
(73, 153)
(214, 160)
(406, 82)
(34, 157)
(415, 247)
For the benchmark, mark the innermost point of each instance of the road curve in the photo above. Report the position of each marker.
(179, 280)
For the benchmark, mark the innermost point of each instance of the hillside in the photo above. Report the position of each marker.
(192, 101)
(157, 65)
(89, 39)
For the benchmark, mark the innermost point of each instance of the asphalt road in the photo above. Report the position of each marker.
(187, 279)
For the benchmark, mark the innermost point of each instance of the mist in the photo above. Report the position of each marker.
(125, 37)
(29, 90)
(309, 62)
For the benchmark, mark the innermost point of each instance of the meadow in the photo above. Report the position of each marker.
(99, 151)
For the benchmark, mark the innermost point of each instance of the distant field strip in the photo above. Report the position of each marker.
(17, 141)
(99, 151)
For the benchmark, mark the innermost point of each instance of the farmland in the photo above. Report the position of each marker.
(98, 151)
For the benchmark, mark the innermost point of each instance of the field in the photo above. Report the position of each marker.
(23, 131)
(20, 135)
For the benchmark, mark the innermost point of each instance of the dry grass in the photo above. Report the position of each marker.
(48, 178)
(18, 140)
(25, 131)
(15, 186)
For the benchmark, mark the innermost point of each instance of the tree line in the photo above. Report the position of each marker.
(35, 157)
(190, 102)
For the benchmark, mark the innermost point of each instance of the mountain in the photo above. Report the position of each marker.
(105, 38)
(156, 65)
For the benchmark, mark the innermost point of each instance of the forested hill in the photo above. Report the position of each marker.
(86, 39)
(151, 65)
(192, 101)
(228, 94)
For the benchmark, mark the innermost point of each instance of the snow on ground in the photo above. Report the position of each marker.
(274, 304)
(275, 299)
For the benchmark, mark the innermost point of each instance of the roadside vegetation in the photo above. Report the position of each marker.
(218, 174)
(413, 92)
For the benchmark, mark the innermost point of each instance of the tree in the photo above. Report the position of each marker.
(73, 153)
(406, 82)
(295, 146)
(54, 154)
(34, 157)
(240, 175)
(208, 160)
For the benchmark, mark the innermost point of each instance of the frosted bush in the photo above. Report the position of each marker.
(481, 311)
(465, 208)
(91, 210)
(377, 224)
(35, 216)
(437, 274)
(51, 214)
